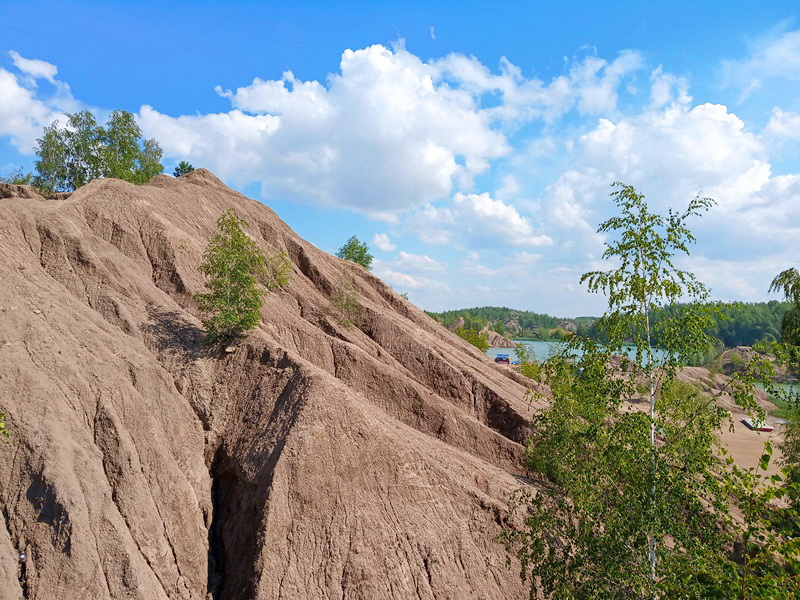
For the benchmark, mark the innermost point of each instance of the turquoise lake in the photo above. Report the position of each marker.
(541, 350)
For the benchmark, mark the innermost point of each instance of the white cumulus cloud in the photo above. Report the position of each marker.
(405, 281)
(591, 85)
(25, 109)
(418, 262)
(382, 136)
(773, 56)
(670, 154)
(22, 114)
(37, 69)
(479, 220)
(783, 124)
(382, 242)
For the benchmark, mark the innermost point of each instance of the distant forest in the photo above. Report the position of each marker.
(745, 323)
(517, 324)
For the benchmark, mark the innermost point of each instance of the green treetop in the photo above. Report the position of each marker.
(82, 150)
(182, 169)
(357, 252)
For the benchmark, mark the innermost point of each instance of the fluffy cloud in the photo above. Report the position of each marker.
(382, 242)
(514, 265)
(773, 56)
(22, 116)
(388, 133)
(670, 155)
(26, 110)
(590, 86)
(783, 125)
(389, 273)
(667, 88)
(479, 220)
(472, 266)
(236, 145)
(384, 135)
(418, 262)
(36, 69)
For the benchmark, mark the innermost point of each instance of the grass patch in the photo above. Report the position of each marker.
(784, 410)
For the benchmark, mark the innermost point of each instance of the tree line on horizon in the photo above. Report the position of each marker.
(737, 324)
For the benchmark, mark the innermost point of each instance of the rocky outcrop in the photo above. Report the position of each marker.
(12, 190)
(313, 461)
(568, 326)
(498, 341)
(736, 360)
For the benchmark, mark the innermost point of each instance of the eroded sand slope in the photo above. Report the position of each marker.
(315, 461)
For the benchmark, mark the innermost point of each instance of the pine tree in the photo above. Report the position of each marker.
(182, 169)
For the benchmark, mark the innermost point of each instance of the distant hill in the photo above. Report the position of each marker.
(748, 323)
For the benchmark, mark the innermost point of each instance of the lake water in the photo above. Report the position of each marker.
(541, 350)
(793, 388)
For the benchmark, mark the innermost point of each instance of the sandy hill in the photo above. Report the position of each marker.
(315, 461)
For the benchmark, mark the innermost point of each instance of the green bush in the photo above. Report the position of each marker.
(344, 301)
(18, 177)
(476, 338)
(278, 271)
(233, 264)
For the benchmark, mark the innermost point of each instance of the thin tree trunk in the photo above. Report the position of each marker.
(652, 543)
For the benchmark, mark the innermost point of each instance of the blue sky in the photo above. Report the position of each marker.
(470, 144)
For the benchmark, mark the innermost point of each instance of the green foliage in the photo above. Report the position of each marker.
(787, 354)
(66, 158)
(18, 177)
(740, 324)
(233, 264)
(476, 338)
(499, 327)
(767, 544)
(791, 459)
(634, 503)
(126, 155)
(182, 169)
(790, 326)
(531, 325)
(277, 271)
(527, 364)
(357, 252)
(72, 156)
(788, 282)
(344, 300)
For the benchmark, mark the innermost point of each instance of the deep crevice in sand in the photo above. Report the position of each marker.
(216, 543)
